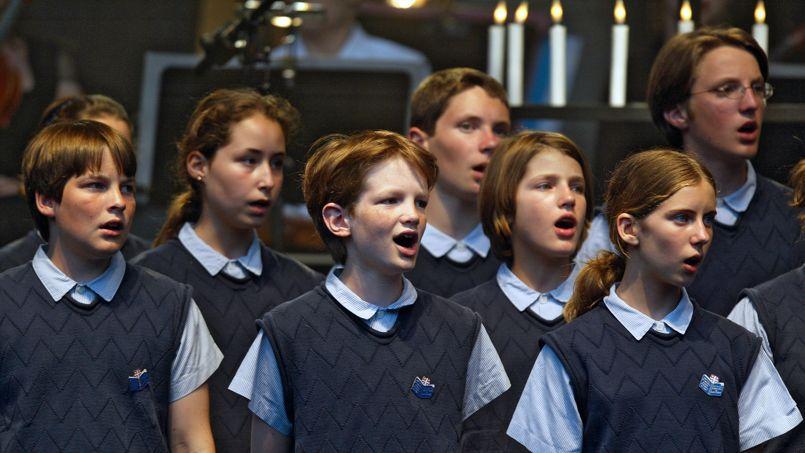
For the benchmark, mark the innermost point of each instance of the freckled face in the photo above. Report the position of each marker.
(387, 220)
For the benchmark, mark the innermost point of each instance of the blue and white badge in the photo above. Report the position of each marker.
(422, 387)
(139, 381)
(711, 386)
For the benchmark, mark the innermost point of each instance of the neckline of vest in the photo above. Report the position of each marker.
(473, 262)
(759, 189)
(382, 337)
(78, 307)
(545, 322)
(653, 334)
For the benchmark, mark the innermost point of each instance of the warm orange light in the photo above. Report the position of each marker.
(500, 13)
(620, 12)
(556, 11)
(685, 13)
(760, 12)
(521, 14)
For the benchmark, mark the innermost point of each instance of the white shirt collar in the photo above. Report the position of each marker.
(212, 261)
(522, 296)
(638, 324)
(58, 284)
(359, 307)
(730, 207)
(438, 243)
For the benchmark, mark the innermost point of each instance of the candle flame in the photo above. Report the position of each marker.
(500, 12)
(556, 11)
(685, 12)
(521, 14)
(760, 12)
(620, 12)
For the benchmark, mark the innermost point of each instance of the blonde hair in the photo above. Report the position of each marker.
(797, 181)
(497, 198)
(639, 184)
(338, 165)
(209, 129)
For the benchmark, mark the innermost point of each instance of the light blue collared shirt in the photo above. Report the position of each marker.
(258, 378)
(547, 306)
(214, 262)
(547, 418)
(197, 357)
(745, 315)
(730, 207)
(440, 244)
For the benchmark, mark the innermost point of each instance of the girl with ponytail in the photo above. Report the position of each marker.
(640, 366)
(230, 163)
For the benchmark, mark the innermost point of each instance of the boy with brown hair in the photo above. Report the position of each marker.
(99, 354)
(459, 115)
(365, 361)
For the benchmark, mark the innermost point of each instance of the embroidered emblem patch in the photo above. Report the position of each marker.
(422, 387)
(139, 380)
(711, 386)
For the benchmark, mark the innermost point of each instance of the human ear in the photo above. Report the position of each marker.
(628, 229)
(45, 205)
(418, 136)
(677, 116)
(197, 165)
(336, 220)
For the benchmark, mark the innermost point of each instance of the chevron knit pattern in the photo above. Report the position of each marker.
(22, 250)
(230, 310)
(348, 388)
(780, 305)
(444, 277)
(64, 370)
(516, 336)
(765, 243)
(644, 396)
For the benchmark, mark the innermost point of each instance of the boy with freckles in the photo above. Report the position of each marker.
(459, 115)
(366, 362)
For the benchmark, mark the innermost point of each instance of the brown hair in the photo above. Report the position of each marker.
(338, 165)
(673, 71)
(797, 181)
(208, 130)
(83, 108)
(434, 93)
(67, 149)
(497, 198)
(639, 184)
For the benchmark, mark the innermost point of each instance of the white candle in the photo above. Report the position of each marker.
(514, 74)
(685, 24)
(760, 31)
(558, 38)
(620, 53)
(497, 43)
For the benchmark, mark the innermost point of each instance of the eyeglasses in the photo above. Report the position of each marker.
(736, 91)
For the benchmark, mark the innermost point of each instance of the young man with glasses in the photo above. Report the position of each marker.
(707, 93)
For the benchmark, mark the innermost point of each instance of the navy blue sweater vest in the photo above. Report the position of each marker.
(348, 387)
(644, 396)
(444, 277)
(230, 308)
(759, 247)
(780, 305)
(23, 249)
(516, 337)
(64, 370)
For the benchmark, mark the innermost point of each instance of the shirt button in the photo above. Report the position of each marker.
(381, 314)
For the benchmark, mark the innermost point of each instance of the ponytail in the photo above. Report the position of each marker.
(593, 283)
(185, 207)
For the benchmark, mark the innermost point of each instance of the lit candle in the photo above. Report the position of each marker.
(497, 38)
(514, 75)
(760, 31)
(620, 53)
(685, 18)
(558, 37)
